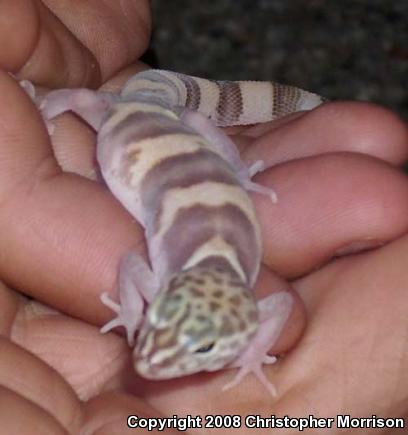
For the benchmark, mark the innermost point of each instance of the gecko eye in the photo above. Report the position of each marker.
(206, 348)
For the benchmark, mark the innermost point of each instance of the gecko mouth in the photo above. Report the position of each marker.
(145, 368)
(149, 367)
(151, 371)
(168, 368)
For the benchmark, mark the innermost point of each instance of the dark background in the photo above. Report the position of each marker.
(344, 49)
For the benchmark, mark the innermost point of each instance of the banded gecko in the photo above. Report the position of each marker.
(181, 177)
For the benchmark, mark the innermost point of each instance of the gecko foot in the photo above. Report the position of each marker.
(130, 324)
(137, 284)
(30, 90)
(274, 311)
(256, 369)
(251, 186)
(228, 150)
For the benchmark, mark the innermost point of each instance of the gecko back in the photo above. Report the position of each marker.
(201, 230)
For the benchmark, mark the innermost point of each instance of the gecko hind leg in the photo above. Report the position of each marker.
(274, 311)
(224, 146)
(136, 285)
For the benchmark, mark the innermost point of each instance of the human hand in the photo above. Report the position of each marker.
(62, 236)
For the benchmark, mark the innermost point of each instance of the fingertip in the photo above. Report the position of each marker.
(340, 126)
(270, 282)
(329, 203)
(19, 32)
(22, 133)
(294, 326)
(368, 128)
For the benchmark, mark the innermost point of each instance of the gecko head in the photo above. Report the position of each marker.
(201, 321)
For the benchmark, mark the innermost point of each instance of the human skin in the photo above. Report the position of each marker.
(62, 234)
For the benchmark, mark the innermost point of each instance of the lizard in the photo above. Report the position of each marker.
(164, 157)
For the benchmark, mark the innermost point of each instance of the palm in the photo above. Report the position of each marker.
(346, 352)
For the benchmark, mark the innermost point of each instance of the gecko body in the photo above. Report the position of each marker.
(182, 178)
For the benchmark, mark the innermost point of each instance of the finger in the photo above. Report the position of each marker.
(35, 399)
(269, 282)
(332, 127)
(60, 46)
(355, 345)
(328, 205)
(111, 411)
(19, 415)
(116, 33)
(9, 304)
(32, 389)
(68, 346)
(63, 235)
(43, 49)
(25, 146)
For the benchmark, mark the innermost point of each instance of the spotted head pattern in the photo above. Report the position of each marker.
(201, 321)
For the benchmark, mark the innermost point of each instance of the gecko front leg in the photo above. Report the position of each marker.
(274, 311)
(137, 284)
(91, 106)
